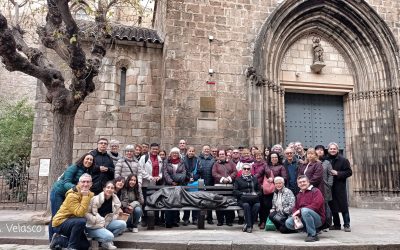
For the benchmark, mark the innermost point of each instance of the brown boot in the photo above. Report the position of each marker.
(262, 225)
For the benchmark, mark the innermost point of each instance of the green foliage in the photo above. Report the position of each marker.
(16, 122)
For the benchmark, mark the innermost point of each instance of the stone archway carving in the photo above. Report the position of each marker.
(372, 109)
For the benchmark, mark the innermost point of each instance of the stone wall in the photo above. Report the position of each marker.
(189, 54)
(296, 74)
(101, 115)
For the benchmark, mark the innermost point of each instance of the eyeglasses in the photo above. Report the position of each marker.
(246, 169)
(104, 143)
(288, 153)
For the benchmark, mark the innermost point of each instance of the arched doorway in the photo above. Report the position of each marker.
(371, 106)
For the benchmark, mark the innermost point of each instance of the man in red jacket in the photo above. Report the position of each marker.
(309, 207)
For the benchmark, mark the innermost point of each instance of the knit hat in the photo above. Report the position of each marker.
(174, 149)
(129, 148)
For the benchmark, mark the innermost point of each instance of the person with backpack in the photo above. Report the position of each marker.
(309, 209)
(104, 168)
(128, 164)
(190, 162)
(151, 171)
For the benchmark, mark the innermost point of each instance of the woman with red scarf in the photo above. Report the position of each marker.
(174, 174)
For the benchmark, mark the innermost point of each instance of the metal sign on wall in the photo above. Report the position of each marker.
(314, 119)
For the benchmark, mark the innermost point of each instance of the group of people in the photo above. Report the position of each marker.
(104, 193)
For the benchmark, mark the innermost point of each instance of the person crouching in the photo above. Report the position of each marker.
(102, 223)
(309, 207)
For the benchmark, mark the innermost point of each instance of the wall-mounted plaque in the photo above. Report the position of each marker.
(207, 104)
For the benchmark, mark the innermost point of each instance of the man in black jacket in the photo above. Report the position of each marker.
(104, 169)
(341, 171)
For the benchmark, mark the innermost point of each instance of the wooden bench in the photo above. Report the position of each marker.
(226, 191)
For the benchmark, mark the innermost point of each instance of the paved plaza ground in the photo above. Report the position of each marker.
(371, 229)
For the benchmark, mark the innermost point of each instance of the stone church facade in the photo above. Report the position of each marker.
(223, 72)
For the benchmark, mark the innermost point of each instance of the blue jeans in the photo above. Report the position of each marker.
(134, 217)
(250, 212)
(74, 229)
(346, 219)
(311, 221)
(56, 201)
(107, 234)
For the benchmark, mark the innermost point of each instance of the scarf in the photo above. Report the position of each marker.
(175, 161)
(222, 161)
(246, 160)
(155, 165)
(247, 177)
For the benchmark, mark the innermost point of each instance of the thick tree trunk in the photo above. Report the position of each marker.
(63, 138)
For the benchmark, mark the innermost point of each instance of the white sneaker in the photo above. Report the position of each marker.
(135, 230)
(108, 245)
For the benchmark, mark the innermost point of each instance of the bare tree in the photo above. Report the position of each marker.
(60, 34)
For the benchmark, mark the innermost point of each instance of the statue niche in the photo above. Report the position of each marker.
(318, 56)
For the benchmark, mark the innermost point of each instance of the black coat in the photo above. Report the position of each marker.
(243, 185)
(99, 178)
(339, 189)
(204, 169)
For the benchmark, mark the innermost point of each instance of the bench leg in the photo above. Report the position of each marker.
(94, 245)
(201, 219)
(150, 220)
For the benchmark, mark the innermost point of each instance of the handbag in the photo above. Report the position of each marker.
(268, 187)
(297, 222)
(269, 225)
(194, 186)
(251, 197)
(279, 217)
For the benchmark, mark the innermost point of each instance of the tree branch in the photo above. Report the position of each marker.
(77, 55)
(51, 34)
(14, 61)
(23, 3)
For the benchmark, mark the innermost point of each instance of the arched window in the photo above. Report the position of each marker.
(122, 86)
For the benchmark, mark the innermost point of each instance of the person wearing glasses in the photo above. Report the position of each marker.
(224, 173)
(214, 152)
(104, 168)
(309, 207)
(235, 156)
(291, 165)
(246, 191)
(69, 221)
(114, 151)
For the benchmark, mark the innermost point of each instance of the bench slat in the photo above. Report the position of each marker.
(148, 208)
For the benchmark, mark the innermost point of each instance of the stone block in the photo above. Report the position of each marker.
(103, 131)
(207, 124)
(136, 132)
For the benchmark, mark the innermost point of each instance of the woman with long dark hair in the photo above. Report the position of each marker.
(132, 201)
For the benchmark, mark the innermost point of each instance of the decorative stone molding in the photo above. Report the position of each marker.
(254, 77)
(259, 80)
(374, 93)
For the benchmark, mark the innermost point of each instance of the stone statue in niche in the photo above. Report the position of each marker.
(318, 55)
